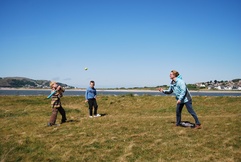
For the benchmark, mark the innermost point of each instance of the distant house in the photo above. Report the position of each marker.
(210, 87)
(200, 85)
(218, 87)
(228, 88)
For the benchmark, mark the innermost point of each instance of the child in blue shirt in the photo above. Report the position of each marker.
(90, 97)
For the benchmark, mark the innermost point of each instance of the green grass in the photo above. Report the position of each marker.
(134, 128)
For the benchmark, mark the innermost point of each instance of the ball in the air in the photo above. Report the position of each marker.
(86, 68)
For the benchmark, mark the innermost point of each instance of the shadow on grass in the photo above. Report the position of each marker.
(103, 115)
(72, 121)
(186, 124)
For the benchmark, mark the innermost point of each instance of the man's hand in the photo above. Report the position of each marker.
(160, 89)
(86, 100)
(178, 101)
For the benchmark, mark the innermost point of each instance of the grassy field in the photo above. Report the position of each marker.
(132, 128)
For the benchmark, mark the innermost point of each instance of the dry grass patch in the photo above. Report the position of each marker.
(133, 128)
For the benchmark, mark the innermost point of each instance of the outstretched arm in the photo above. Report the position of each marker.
(169, 91)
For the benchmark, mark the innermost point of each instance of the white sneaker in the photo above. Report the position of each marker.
(90, 116)
(97, 115)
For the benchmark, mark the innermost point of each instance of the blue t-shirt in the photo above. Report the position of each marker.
(90, 93)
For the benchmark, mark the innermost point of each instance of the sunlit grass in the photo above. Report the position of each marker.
(133, 128)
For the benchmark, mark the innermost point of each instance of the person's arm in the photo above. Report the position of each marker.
(95, 93)
(60, 90)
(169, 91)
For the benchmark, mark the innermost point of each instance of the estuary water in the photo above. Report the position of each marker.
(16, 92)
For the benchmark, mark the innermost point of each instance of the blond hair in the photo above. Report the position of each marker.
(175, 73)
(52, 83)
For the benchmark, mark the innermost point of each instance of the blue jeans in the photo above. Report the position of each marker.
(189, 109)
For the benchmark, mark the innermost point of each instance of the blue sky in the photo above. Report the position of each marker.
(124, 43)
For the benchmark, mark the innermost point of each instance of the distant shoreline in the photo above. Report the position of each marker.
(221, 91)
(124, 90)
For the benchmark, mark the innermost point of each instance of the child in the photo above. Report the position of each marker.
(56, 104)
(90, 97)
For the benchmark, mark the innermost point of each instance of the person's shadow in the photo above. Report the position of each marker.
(186, 124)
(71, 121)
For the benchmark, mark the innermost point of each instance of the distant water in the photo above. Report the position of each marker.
(104, 92)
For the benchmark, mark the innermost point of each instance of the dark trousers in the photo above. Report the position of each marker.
(189, 109)
(92, 103)
(55, 113)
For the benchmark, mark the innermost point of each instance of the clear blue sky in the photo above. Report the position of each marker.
(124, 43)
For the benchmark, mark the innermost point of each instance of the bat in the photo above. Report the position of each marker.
(51, 94)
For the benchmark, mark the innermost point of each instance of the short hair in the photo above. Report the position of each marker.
(92, 81)
(175, 73)
(52, 83)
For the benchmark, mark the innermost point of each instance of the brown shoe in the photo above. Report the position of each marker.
(198, 126)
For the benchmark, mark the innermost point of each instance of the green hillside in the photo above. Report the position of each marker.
(21, 82)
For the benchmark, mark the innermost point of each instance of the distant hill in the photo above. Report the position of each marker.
(21, 82)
